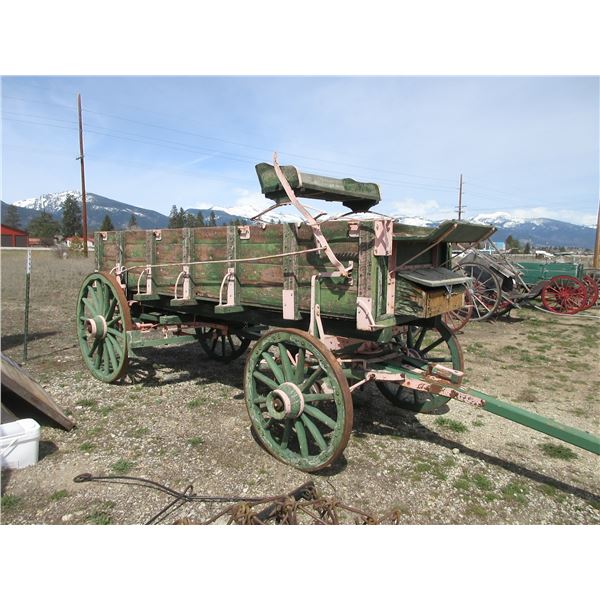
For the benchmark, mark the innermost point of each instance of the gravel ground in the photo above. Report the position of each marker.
(180, 419)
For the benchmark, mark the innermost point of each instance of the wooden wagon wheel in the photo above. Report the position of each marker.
(592, 290)
(298, 399)
(103, 318)
(421, 345)
(457, 319)
(564, 294)
(222, 347)
(485, 289)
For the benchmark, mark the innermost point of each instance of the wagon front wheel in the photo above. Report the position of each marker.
(103, 318)
(298, 399)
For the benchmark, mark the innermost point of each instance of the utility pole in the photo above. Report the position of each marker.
(596, 262)
(83, 199)
(460, 206)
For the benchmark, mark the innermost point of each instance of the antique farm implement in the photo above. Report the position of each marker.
(498, 285)
(330, 305)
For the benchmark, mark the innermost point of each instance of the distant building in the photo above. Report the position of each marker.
(14, 238)
(77, 241)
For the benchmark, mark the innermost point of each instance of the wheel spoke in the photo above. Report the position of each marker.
(93, 348)
(111, 308)
(274, 367)
(90, 306)
(300, 358)
(316, 434)
(312, 379)
(260, 400)
(433, 345)
(301, 435)
(286, 433)
(318, 397)
(111, 354)
(285, 363)
(266, 380)
(318, 414)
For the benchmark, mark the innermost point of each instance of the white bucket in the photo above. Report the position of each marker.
(19, 444)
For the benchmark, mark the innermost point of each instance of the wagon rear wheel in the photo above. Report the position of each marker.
(103, 318)
(298, 399)
(565, 295)
(419, 346)
(220, 346)
(592, 290)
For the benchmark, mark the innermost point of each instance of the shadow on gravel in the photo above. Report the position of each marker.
(403, 424)
(14, 340)
(181, 364)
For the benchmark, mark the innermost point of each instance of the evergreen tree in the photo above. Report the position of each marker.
(12, 218)
(132, 222)
(200, 220)
(527, 249)
(212, 219)
(189, 220)
(173, 216)
(45, 228)
(181, 217)
(107, 224)
(71, 218)
(512, 243)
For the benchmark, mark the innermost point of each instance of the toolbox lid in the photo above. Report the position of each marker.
(434, 276)
(356, 195)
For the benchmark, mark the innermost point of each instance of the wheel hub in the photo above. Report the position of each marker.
(286, 402)
(96, 327)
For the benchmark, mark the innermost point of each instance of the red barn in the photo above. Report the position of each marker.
(14, 238)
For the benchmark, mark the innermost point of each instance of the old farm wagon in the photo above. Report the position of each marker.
(330, 305)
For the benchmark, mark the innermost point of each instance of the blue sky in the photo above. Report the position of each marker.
(525, 145)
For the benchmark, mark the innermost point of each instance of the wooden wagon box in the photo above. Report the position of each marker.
(272, 266)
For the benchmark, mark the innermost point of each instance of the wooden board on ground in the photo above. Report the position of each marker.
(20, 384)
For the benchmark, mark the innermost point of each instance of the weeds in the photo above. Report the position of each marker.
(9, 502)
(451, 424)
(122, 466)
(59, 495)
(558, 451)
(195, 441)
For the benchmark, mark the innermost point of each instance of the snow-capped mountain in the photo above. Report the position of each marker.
(536, 231)
(97, 207)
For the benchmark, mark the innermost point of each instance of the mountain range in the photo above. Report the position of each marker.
(537, 231)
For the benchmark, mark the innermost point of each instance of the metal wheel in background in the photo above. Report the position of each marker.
(419, 346)
(486, 290)
(103, 318)
(298, 399)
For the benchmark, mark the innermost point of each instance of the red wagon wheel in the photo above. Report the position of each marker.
(564, 294)
(592, 290)
(455, 320)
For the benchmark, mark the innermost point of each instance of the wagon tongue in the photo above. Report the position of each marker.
(440, 380)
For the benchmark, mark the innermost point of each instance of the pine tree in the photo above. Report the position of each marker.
(132, 222)
(12, 218)
(180, 217)
(107, 224)
(45, 228)
(200, 220)
(212, 219)
(189, 220)
(527, 249)
(173, 216)
(71, 218)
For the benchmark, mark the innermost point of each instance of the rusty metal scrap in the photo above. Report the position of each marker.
(302, 506)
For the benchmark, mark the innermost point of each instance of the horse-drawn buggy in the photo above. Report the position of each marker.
(330, 305)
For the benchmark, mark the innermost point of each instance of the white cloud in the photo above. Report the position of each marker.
(427, 209)
(245, 204)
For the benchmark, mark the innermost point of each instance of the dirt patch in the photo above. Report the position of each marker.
(180, 419)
